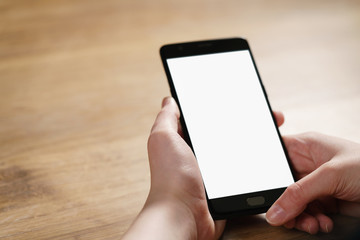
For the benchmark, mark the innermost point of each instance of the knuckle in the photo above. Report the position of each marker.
(333, 172)
(331, 169)
(295, 193)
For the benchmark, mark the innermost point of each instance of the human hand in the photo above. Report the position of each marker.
(176, 206)
(329, 173)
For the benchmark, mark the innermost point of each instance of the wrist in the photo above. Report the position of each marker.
(164, 219)
(174, 215)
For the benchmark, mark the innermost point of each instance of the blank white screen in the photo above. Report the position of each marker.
(229, 123)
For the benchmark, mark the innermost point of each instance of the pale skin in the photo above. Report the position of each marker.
(328, 169)
(176, 206)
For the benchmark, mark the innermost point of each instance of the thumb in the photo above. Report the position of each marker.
(321, 182)
(167, 119)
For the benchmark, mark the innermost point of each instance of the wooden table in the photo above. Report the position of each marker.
(81, 83)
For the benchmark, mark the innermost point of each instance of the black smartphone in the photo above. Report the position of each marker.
(227, 120)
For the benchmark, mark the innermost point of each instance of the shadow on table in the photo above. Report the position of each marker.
(256, 227)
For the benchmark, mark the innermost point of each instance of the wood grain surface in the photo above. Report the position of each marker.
(81, 83)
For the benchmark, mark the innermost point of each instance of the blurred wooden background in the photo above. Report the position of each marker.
(81, 83)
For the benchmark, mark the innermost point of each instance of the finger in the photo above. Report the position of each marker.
(349, 208)
(180, 131)
(168, 117)
(321, 182)
(307, 223)
(279, 117)
(308, 151)
(316, 148)
(219, 228)
(301, 159)
(179, 128)
(325, 223)
(290, 224)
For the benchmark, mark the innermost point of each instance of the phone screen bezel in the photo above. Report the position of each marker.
(229, 206)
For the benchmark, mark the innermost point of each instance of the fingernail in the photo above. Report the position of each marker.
(275, 215)
(165, 101)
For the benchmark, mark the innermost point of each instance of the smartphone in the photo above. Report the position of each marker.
(227, 120)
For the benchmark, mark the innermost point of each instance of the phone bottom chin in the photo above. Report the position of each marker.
(245, 204)
(245, 212)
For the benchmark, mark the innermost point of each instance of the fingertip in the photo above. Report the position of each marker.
(313, 228)
(307, 223)
(169, 103)
(219, 228)
(167, 118)
(328, 227)
(280, 118)
(276, 215)
(166, 101)
(326, 224)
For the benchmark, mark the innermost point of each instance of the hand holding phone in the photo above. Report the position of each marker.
(242, 159)
(174, 173)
